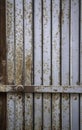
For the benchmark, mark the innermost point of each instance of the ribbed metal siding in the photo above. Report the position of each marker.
(44, 47)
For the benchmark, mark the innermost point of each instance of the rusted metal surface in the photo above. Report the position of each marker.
(10, 111)
(41, 89)
(42, 60)
(10, 62)
(37, 63)
(46, 63)
(55, 63)
(65, 62)
(19, 73)
(28, 46)
(10, 40)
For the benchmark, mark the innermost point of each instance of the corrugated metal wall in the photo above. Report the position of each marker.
(44, 47)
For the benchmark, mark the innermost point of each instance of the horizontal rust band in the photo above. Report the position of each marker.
(41, 89)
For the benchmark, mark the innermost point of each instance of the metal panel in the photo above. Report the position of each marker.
(46, 63)
(37, 63)
(55, 63)
(28, 26)
(44, 58)
(18, 62)
(74, 66)
(10, 61)
(65, 62)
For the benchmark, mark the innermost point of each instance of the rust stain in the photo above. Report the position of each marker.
(19, 64)
(75, 98)
(9, 17)
(28, 69)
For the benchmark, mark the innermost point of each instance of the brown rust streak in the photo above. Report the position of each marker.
(19, 65)
(2, 42)
(10, 42)
(28, 68)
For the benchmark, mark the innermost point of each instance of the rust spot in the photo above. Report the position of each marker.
(75, 98)
(28, 69)
(28, 96)
(19, 96)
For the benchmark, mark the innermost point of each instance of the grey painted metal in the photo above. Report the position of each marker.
(10, 61)
(65, 62)
(46, 63)
(55, 62)
(74, 50)
(18, 62)
(43, 61)
(37, 63)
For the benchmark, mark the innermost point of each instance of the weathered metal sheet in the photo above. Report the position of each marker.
(18, 62)
(28, 42)
(10, 111)
(65, 62)
(55, 63)
(37, 63)
(10, 61)
(41, 89)
(74, 66)
(46, 63)
(10, 40)
(18, 114)
(43, 58)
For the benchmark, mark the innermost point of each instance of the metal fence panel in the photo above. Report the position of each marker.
(43, 41)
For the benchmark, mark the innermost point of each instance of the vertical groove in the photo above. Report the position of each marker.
(60, 111)
(60, 63)
(14, 46)
(33, 56)
(42, 42)
(51, 63)
(79, 112)
(33, 42)
(69, 39)
(23, 95)
(69, 112)
(60, 42)
(23, 48)
(42, 62)
(5, 46)
(79, 36)
(69, 62)
(79, 59)
(14, 61)
(51, 44)
(51, 111)
(70, 47)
